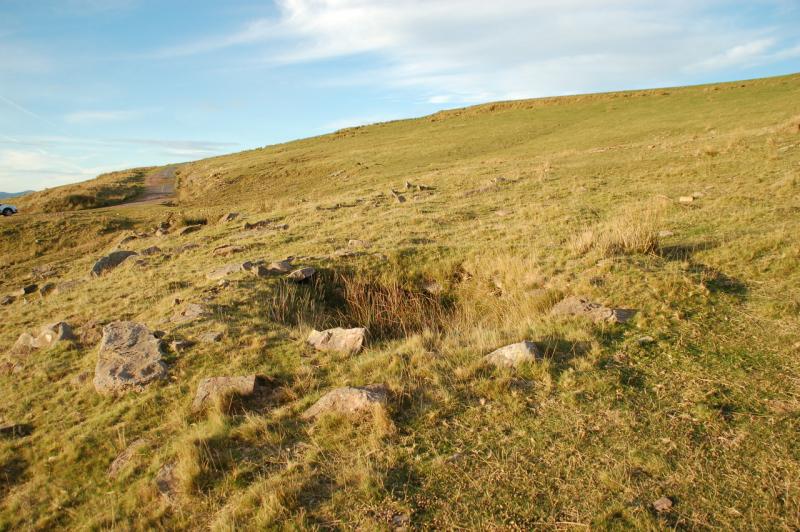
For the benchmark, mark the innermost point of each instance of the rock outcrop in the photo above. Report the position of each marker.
(129, 358)
(338, 339)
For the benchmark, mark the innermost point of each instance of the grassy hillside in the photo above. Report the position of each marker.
(683, 204)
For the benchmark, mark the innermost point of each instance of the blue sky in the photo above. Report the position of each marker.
(88, 86)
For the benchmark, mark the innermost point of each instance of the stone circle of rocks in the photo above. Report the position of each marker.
(129, 359)
(581, 306)
(349, 400)
(111, 261)
(48, 336)
(211, 389)
(338, 339)
(511, 356)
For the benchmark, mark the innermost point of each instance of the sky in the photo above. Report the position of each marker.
(90, 86)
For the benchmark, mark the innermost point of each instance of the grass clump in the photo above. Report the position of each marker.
(633, 231)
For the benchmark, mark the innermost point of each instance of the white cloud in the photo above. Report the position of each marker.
(472, 50)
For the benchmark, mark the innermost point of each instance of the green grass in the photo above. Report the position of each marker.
(708, 414)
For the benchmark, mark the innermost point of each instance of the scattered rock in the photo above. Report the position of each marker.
(662, 505)
(44, 271)
(433, 288)
(186, 247)
(7, 300)
(179, 346)
(211, 337)
(189, 229)
(399, 198)
(214, 388)
(90, 333)
(48, 336)
(46, 289)
(227, 250)
(27, 289)
(191, 312)
(124, 458)
(224, 271)
(349, 400)
(15, 430)
(130, 237)
(167, 482)
(686, 199)
(281, 266)
(129, 358)
(645, 340)
(301, 275)
(111, 261)
(360, 244)
(513, 355)
(342, 340)
(67, 286)
(580, 306)
(665, 234)
(228, 217)
(264, 224)
(152, 250)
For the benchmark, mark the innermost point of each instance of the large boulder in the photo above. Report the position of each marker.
(48, 336)
(129, 358)
(513, 355)
(349, 400)
(581, 306)
(338, 339)
(110, 261)
(214, 388)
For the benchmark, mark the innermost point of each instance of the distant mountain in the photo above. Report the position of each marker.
(4, 195)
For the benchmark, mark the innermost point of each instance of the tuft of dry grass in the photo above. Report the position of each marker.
(632, 231)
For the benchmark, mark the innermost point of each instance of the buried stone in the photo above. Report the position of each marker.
(513, 355)
(349, 400)
(581, 306)
(129, 358)
(215, 388)
(342, 340)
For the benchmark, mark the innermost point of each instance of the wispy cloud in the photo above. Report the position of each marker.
(470, 50)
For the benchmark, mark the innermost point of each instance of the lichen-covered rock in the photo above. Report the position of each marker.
(110, 261)
(129, 358)
(349, 400)
(213, 388)
(581, 306)
(513, 355)
(338, 339)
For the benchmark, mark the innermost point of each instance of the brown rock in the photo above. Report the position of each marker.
(110, 261)
(227, 250)
(27, 289)
(48, 336)
(513, 355)
(341, 340)
(228, 217)
(215, 388)
(189, 229)
(167, 482)
(349, 400)
(662, 505)
(301, 275)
